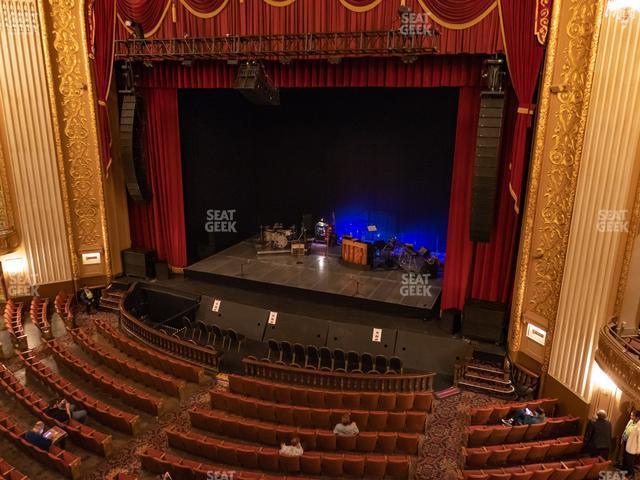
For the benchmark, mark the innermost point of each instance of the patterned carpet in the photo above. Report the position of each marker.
(440, 454)
(438, 458)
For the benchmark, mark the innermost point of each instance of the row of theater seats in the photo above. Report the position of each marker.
(38, 312)
(323, 418)
(63, 304)
(310, 463)
(9, 472)
(161, 361)
(13, 322)
(82, 435)
(98, 410)
(583, 469)
(336, 360)
(312, 439)
(158, 462)
(135, 397)
(151, 377)
(492, 414)
(529, 452)
(321, 398)
(482, 435)
(55, 458)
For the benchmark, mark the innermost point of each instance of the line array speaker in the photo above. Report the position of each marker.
(132, 151)
(486, 166)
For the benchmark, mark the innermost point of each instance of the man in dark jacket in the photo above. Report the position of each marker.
(597, 437)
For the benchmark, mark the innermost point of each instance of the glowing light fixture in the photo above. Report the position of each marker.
(11, 266)
(623, 10)
(601, 380)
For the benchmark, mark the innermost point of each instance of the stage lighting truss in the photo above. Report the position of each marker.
(330, 46)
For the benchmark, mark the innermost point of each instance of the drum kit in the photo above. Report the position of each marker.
(277, 237)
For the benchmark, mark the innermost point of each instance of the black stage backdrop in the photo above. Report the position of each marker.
(368, 156)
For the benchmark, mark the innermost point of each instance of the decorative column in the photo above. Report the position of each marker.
(553, 177)
(73, 105)
(28, 165)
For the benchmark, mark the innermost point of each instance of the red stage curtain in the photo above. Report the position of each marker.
(160, 224)
(147, 13)
(524, 56)
(458, 12)
(433, 71)
(492, 267)
(459, 247)
(103, 21)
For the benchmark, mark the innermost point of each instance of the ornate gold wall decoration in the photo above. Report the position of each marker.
(570, 62)
(73, 109)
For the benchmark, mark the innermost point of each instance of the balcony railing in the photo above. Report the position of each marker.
(620, 360)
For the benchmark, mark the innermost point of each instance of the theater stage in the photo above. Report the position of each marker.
(319, 275)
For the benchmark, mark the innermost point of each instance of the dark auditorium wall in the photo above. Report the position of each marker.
(371, 155)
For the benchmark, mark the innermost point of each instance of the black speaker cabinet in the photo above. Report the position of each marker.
(139, 262)
(132, 149)
(450, 321)
(483, 321)
(486, 166)
(162, 270)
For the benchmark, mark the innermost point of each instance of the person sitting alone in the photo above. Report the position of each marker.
(62, 411)
(524, 416)
(35, 436)
(346, 428)
(293, 450)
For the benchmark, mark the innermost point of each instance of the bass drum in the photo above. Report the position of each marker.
(280, 240)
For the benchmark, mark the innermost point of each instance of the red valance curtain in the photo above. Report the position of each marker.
(524, 57)
(434, 71)
(159, 224)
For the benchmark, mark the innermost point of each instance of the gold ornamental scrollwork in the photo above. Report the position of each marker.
(75, 131)
(541, 264)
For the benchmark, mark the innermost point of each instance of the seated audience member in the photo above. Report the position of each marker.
(524, 416)
(62, 411)
(87, 298)
(346, 428)
(597, 436)
(35, 436)
(293, 450)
